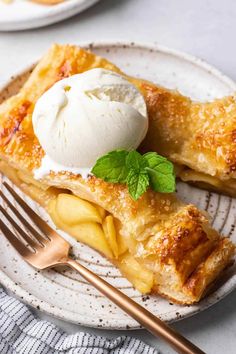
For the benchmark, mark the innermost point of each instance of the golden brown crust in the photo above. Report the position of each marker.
(198, 135)
(217, 260)
(195, 286)
(166, 236)
(18, 141)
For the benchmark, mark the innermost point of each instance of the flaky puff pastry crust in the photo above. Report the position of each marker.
(173, 240)
(199, 137)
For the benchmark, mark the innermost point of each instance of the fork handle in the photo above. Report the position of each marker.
(152, 323)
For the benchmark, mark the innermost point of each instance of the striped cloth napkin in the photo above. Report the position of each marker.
(22, 333)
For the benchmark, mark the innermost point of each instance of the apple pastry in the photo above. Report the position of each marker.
(200, 138)
(161, 245)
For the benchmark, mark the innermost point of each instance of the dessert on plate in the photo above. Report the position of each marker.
(72, 111)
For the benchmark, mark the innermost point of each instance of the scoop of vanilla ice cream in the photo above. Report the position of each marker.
(84, 116)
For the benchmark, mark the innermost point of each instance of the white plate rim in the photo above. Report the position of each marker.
(66, 315)
(51, 15)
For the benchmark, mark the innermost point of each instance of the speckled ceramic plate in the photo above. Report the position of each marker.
(24, 14)
(63, 293)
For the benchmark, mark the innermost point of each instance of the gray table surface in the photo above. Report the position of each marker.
(205, 28)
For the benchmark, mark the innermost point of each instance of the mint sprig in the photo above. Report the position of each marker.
(161, 173)
(137, 171)
(112, 167)
(137, 182)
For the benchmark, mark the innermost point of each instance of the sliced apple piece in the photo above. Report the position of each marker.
(101, 211)
(110, 233)
(89, 233)
(72, 210)
(122, 246)
(141, 278)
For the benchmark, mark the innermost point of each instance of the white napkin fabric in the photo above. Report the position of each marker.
(22, 333)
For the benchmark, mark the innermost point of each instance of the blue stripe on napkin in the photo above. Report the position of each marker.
(22, 333)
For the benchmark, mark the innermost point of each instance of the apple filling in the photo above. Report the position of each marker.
(92, 225)
(205, 181)
(86, 222)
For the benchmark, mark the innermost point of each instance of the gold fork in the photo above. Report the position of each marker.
(49, 249)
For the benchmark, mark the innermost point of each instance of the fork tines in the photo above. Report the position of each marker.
(34, 239)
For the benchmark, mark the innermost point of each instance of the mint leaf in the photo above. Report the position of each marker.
(161, 173)
(135, 161)
(112, 167)
(137, 171)
(137, 183)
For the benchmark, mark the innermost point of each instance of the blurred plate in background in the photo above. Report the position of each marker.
(25, 14)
